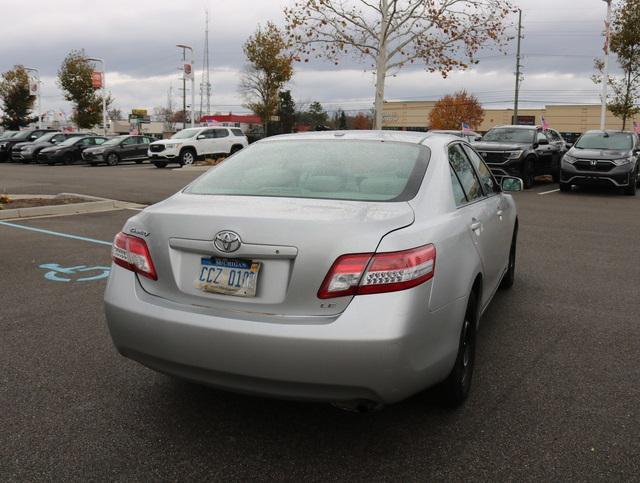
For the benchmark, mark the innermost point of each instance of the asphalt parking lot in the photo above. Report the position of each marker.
(555, 394)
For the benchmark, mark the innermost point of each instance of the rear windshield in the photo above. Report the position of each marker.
(617, 141)
(510, 135)
(327, 169)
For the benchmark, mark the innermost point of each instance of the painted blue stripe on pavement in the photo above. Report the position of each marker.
(55, 233)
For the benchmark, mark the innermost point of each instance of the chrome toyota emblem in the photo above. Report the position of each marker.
(227, 241)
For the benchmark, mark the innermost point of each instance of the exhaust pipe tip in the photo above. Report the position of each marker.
(361, 406)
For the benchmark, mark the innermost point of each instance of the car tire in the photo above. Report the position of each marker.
(235, 149)
(526, 173)
(112, 159)
(556, 175)
(187, 157)
(93, 165)
(160, 164)
(565, 187)
(632, 189)
(68, 159)
(510, 275)
(139, 161)
(455, 389)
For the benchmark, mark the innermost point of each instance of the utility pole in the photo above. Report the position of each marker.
(605, 75)
(518, 67)
(205, 85)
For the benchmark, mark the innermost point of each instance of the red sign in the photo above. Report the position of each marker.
(96, 79)
(187, 71)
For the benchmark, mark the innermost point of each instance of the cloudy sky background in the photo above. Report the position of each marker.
(137, 40)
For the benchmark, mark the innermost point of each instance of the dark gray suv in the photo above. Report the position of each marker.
(607, 158)
(522, 151)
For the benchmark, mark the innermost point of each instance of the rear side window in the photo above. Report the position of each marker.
(458, 193)
(486, 178)
(465, 172)
(221, 133)
(237, 132)
(328, 169)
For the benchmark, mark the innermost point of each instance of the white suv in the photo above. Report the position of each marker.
(185, 146)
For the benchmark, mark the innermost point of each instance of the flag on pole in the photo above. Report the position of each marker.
(545, 123)
(466, 129)
(636, 127)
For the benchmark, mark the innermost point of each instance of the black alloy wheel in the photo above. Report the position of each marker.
(112, 159)
(457, 386)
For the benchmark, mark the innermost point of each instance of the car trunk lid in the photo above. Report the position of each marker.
(295, 241)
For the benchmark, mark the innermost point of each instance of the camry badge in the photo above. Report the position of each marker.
(227, 241)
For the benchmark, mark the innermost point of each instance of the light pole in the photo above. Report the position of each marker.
(30, 69)
(605, 75)
(104, 91)
(193, 81)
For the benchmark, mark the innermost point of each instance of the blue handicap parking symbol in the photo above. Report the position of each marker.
(57, 273)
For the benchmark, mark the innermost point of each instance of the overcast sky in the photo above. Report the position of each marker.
(137, 40)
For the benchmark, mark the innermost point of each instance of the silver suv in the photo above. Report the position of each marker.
(185, 146)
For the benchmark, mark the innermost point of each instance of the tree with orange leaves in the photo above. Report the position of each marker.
(452, 110)
(361, 121)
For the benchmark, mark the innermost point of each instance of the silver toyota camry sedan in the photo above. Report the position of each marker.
(350, 267)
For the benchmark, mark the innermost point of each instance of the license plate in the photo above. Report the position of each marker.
(228, 276)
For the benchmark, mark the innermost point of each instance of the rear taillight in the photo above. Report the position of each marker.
(133, 254)
(368, 273)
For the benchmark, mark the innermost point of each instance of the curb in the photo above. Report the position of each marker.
(97, 204)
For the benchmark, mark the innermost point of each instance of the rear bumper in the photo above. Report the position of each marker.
(382, 350)
(618, 176)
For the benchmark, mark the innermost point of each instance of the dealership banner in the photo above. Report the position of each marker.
(96, 79)
(188, 71)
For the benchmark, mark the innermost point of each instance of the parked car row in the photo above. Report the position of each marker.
(608, 158)
(47, 146)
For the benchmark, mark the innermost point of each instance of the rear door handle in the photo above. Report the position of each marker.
(476, 227)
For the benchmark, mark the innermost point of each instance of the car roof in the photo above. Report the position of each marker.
(398, 136)
(608, 131)
(517, 126)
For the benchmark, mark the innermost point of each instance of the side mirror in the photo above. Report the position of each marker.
(543, 142)
(33, 137)
(478, 138)
(201, 136)
(511, 184)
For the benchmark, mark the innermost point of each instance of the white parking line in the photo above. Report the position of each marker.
(55, 233)
(549, 192)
